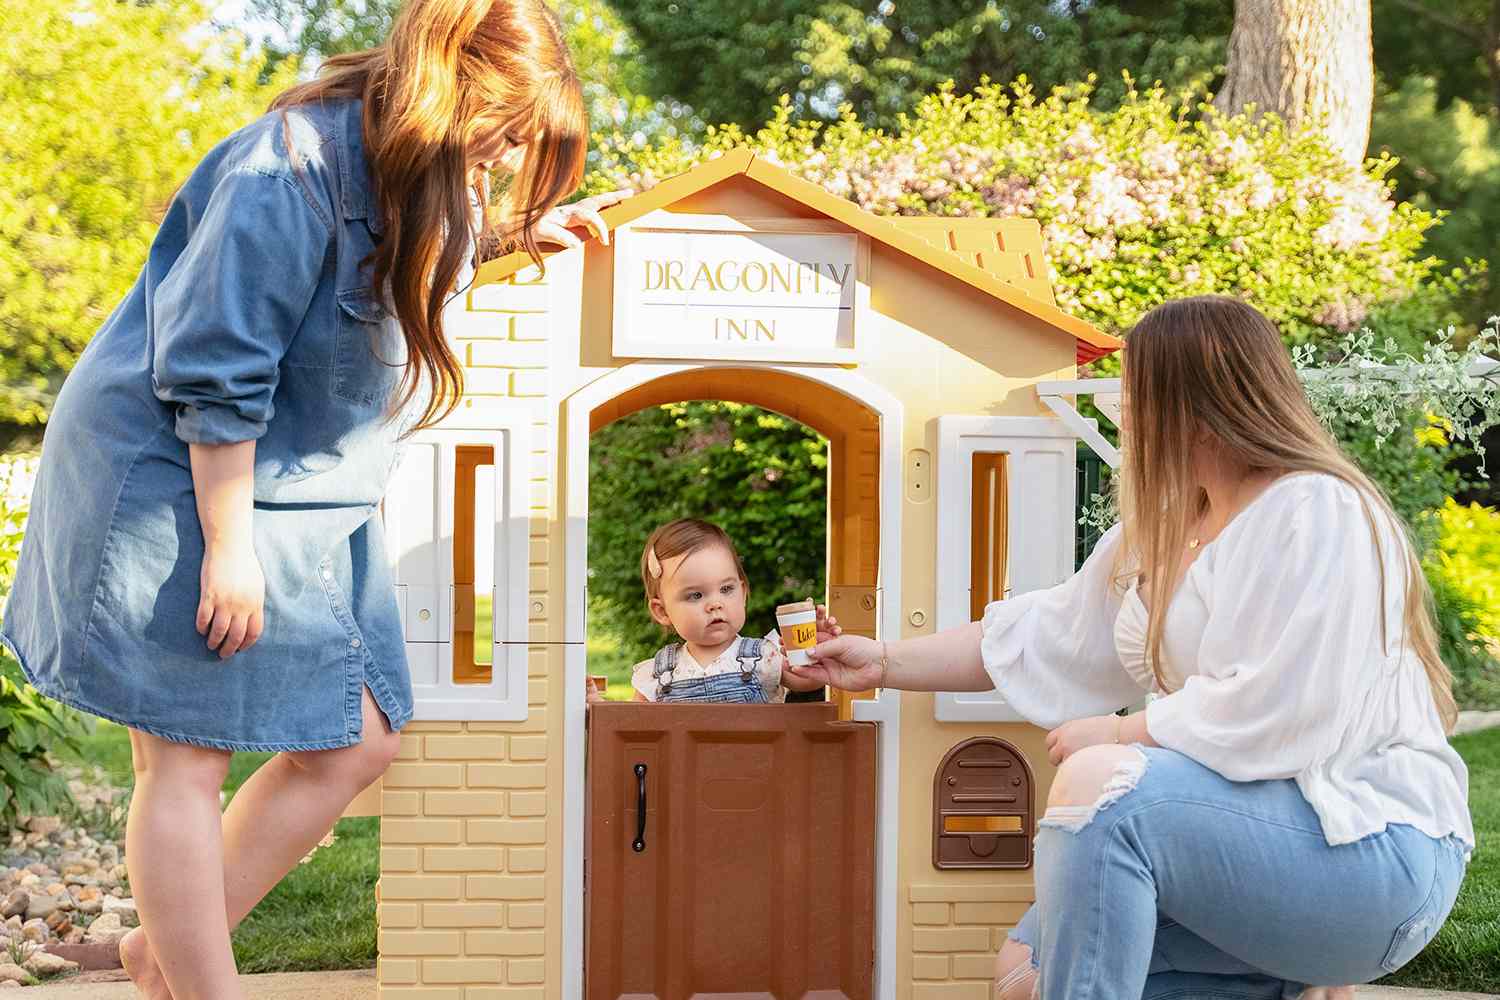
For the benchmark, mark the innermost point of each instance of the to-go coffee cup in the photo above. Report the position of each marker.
(799, 630)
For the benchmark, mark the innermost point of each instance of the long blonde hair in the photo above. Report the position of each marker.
(449, 70)
(1214, 364)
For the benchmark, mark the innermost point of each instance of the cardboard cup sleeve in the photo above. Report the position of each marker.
(799, 630)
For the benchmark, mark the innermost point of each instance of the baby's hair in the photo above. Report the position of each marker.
(680, 538)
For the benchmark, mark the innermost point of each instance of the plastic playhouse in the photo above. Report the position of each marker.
(537, 846)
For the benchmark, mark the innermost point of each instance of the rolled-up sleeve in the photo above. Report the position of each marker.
(1051, 653)
(226, 311)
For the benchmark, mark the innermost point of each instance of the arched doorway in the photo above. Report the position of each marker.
(864, 424)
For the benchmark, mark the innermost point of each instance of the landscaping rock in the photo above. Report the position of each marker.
(42, 905)
(90, 957)
(89, 899)
(44, 824)
(15, 903)
(107, 928)
(12, 973)
(34, 930)
(125, 908)
(44, 963)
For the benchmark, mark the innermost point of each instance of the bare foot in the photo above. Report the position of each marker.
(1328, 993)
(140, 966)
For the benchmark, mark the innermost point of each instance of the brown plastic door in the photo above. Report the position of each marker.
(753, 874)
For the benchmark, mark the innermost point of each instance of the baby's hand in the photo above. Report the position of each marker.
(828, 626)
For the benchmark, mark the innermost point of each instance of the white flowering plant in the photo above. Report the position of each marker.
(1362, 382)
(1152, 201)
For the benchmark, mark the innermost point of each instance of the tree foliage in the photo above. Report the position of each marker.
(604, 53)
(1449, 163)
(104, 109)
(731, 60)
(760, 476)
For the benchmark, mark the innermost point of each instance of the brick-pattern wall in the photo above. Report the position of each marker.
(463, 862)
(463, 908)
(956, 932)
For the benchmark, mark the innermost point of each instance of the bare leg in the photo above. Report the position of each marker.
(174, 849)
(276, 817)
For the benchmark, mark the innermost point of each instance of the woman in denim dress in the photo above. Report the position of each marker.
(1287, 815)
(203, 561)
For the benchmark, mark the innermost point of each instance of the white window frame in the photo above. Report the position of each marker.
(429, 643)
(1034, 496)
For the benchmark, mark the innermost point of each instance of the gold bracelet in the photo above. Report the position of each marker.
(885, 661)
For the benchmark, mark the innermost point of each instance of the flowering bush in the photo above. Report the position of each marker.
(1146, 203)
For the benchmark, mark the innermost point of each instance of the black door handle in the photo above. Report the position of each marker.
(639, 844)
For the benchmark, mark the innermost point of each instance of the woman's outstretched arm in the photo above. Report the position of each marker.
(946, 661)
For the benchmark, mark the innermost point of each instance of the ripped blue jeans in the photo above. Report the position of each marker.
(1181, 883)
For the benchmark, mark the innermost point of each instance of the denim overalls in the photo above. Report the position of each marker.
(741, 688)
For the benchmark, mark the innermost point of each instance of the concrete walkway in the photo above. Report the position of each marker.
(360, 985)
(357, 985)
(1469, 722)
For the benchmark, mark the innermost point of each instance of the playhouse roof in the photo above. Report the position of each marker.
(1000, 257)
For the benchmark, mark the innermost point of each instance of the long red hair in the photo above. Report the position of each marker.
(449, 71)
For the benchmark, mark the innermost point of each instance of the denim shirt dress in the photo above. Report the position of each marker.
(253, 318)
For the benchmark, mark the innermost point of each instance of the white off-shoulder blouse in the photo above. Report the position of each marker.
(1274, 661)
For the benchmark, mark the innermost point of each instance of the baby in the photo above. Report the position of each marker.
(696, 586)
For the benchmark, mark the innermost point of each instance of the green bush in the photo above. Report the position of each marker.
(1409, 465)
(1463, 567)
(758, 475)
(31, 724)
(1148, 202)
(1467, 553)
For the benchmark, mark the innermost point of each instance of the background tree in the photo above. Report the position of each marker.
(104, 108)
(730, 60)
(1305, 60)
(603, 52)
(1457, 42)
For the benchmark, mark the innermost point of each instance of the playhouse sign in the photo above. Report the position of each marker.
(700, 292)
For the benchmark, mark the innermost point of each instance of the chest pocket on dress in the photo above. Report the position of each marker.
(368, 352)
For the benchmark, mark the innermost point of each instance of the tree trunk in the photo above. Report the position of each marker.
(1305, 60)
(1491, 45)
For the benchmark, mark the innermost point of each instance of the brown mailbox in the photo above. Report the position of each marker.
(982, 807)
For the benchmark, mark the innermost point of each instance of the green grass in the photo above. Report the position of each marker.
(322, 915)
(1465, 955)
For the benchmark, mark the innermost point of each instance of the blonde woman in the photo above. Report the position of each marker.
(1287, 811)
(203, 561)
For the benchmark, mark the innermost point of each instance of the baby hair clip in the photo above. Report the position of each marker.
(653, 564)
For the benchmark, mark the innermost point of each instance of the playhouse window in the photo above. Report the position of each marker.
(473, 564)
(989, 516)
